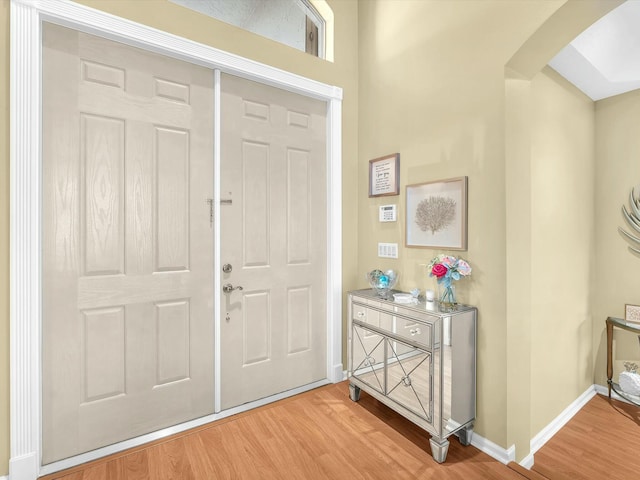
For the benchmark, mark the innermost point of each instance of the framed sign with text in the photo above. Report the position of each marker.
(384, 176)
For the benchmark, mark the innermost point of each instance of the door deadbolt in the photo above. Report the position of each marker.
(226, 268)
(228, 288)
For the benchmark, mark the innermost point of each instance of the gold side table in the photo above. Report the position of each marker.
(613, 322)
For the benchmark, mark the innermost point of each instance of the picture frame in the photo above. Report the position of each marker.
(384, 176)
(632, 313)
(437, 214)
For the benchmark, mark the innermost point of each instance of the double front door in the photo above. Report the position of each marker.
(273, 217)
(128, 318)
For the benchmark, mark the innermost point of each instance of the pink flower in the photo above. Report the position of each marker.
(464, 268)
(439, 270)
(448, 261)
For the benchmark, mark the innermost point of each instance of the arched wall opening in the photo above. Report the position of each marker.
(550, 167)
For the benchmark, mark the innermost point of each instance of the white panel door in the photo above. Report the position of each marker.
(127, 242)
(273, 234)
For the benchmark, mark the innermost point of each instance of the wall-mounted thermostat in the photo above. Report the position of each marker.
(387, 213)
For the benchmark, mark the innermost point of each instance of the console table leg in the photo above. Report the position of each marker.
(354, 392)
(439, 449)
(464, 435)
(609, 355)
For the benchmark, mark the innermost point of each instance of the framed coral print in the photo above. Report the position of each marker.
(632, 313)
(384, 176)
(437, 214)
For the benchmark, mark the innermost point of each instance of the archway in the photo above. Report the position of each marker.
(568, 21)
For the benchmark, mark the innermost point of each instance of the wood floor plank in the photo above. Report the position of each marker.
(77, 475)
(529, 474)
(102, 471)
(169, 461)
(134, 466)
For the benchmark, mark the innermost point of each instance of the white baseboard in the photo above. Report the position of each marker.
(527, 462)
(508, 455)
(337, 373)
(494, 450)
(561, 420)
(603, 390)
(4, 478)
(24, 467)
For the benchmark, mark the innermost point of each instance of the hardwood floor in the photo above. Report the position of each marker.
(323, 435)
(601, 441)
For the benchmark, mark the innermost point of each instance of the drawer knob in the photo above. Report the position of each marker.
(415, 331)
(361, 314)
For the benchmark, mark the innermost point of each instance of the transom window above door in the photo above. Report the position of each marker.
(297, 23)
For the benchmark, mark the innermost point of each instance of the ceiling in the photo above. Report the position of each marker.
(604, 60)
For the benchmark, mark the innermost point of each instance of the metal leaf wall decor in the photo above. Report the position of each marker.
(633, 219)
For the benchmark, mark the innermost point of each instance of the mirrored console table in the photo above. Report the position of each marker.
(612, 323)
(418, 361)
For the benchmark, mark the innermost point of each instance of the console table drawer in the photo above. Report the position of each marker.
(359, 312)
(414, 331)
(396, 321)
(375, 316)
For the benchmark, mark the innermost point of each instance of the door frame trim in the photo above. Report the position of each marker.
(26, 17)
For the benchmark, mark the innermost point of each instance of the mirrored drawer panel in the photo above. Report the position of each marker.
(368, 352)
(409, 379)
(414, 331)
(373, 316)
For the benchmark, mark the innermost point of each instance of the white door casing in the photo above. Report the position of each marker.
(25, 207)
(127, 322)
(273, 184)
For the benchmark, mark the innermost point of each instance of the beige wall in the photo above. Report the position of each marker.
(432, 88)
(161, 14)
(566, 23)
(562, 245)
(617, 270)
(426, 78)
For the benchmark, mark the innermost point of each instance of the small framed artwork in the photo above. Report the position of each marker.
(437, 214)
(632, 313)
(384, 176)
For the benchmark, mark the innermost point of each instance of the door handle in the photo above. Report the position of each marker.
(228, 288)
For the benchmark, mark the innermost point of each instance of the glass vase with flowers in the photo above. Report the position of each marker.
(448, 269)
